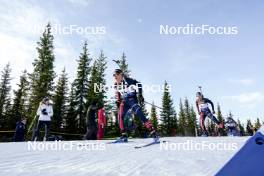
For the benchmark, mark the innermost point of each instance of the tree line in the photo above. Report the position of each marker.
(70, 100)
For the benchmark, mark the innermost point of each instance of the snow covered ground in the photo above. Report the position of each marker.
(200, 156)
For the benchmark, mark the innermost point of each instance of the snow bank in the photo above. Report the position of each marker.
(178, 156)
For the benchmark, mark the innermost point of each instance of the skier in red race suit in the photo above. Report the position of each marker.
(101, 123)
(204, 111)
(127, 101)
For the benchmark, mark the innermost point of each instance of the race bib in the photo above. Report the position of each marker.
(203, 106)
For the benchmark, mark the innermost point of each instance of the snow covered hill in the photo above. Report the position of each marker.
(178, 156)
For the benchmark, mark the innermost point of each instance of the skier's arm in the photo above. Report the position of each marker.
(39, 110)
(197, 107)
(17, 128)
(50, 111)
(139, 91)
(139, 87)
(212, 104)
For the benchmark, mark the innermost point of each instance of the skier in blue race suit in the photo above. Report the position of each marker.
(231, 127)
(129, 94)
(204, 111)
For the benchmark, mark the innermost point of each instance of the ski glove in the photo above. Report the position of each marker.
(44, 111)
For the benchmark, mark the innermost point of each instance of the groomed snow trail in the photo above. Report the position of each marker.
(121, 159)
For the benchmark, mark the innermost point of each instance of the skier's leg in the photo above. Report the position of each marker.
(202, 119)
(36, 133)
(94, 136)
(47, 128)
(136, 109)
(89, 132)
(121, 114)
(213, 118)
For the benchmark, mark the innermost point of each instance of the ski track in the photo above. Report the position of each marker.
(116, 159)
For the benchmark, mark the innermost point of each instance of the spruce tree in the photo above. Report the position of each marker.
(81, 84)
(257, 124)
(187, 113)
(112, 127)
(20, 101)
(221, 119)
(97, 81)
(123, 65)
(193, 123)
(219, 113)
(241, 128)
(5, 89)
(167, 112)
(42, 77)
(249, 127)
(71, 117)
(182, 120)
(60, 100)
(154, 116)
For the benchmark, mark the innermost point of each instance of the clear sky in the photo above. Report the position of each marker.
(229, 67)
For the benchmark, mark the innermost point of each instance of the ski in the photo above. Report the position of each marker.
(149, 144)
(118, 141)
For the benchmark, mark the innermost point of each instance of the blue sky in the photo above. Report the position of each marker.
(229, 67)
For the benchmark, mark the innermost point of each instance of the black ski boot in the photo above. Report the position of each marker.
(154, 135)
(124, 137)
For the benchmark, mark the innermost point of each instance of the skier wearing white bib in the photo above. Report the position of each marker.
(204, 111)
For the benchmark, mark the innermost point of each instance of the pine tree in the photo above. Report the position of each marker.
(167, 113)
(154, 116)
(182, 120)
(71, 118)
(81, 84)
(112, 128)
(220, 118)
(241, 128)
(249, 127)
(193, 122)
(42, 77)
(123, 65)
(5, 89)
(20, 101)
(187, 113)
(257, 124)
(97, 81)
(60, 100)
(219, 115)
(190, 118)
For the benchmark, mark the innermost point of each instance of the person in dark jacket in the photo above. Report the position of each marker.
(91, 124)
(20, 130)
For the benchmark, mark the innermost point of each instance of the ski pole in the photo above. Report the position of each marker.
(153, 105)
